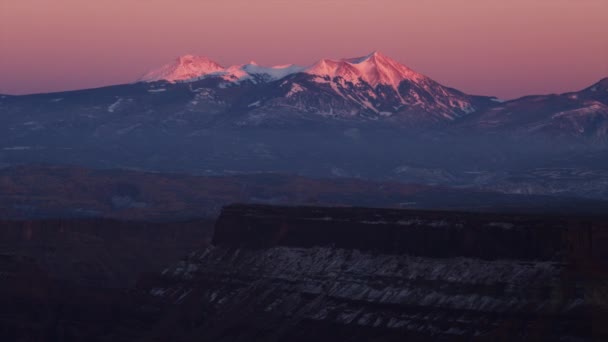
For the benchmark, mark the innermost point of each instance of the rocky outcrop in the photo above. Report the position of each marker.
(305, 273)
(313, 274)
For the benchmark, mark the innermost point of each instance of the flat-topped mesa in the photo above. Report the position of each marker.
(420, 233)
(357, 274)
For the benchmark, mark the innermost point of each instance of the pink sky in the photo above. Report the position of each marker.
(506, 48)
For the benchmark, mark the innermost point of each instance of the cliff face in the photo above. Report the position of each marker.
(303, 274)
(309, 274)
(423, 233)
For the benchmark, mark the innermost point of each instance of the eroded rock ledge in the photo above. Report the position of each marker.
(306, 273)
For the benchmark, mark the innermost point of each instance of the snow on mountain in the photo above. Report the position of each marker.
(183, 68)
(363, 87)
(581, 113)
(190, 68)
(374, 69)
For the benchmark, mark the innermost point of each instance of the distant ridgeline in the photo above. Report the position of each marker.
(369, 117)
(323, 274)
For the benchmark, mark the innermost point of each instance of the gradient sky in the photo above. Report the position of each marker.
(506, 48)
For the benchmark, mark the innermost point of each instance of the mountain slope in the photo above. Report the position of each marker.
(582, 114)
(367, 117)
(373, 87)
(183, 68)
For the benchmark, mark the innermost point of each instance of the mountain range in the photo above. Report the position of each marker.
(377, 87)
(373, 87)
(369, 117)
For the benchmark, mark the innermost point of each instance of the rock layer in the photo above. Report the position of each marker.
(304, 273)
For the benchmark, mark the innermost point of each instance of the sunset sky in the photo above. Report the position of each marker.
(506, 48)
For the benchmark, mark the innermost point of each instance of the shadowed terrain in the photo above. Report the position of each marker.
(57, 192)
(312, 273)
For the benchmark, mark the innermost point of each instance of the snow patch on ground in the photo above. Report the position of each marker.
(114, 105)
(468, 109)
(369, 105)
(17, 148)
(128, 129)
(295, 88)
(591, 109)
(338, 172)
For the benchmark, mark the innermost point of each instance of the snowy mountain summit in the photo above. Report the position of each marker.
(371, 87)
(191, 68)
(182, 69)
(375, 69)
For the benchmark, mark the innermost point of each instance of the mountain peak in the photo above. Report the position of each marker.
(371, 56)
(183, 68)
(374, 68)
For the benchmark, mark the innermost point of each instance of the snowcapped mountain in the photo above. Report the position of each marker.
(372, 87)
(374, 69)
(368, 117)
(191, 68)
(183, 68)
(574, 114)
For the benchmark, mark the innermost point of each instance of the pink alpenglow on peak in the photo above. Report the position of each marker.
(183, 68)
(374, 69)
(191, 68)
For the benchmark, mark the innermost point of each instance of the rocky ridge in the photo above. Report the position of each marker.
(305, 273)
